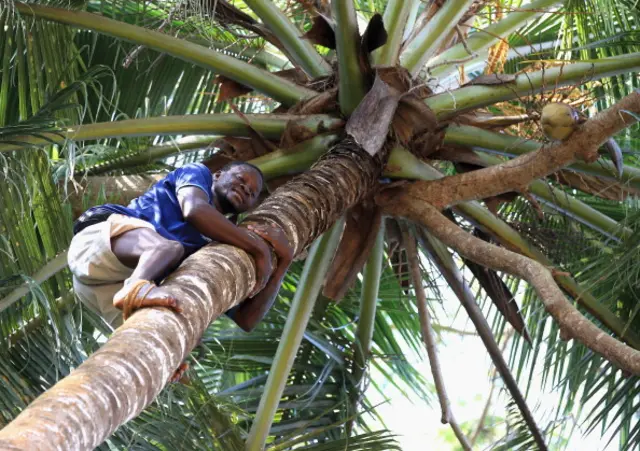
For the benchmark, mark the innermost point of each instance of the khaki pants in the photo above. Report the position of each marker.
(97, 272)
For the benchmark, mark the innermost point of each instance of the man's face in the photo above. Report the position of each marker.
(237, 188)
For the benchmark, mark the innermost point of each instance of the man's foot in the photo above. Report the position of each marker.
(140, 294)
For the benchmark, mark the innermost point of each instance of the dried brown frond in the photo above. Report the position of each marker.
(362, 226)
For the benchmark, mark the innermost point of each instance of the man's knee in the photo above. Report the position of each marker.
(172, 249)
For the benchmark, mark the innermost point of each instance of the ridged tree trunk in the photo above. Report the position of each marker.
(127, 373)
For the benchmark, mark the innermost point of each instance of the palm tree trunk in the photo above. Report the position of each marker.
(127, 373)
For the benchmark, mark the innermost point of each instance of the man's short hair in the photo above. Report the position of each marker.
(246, 164)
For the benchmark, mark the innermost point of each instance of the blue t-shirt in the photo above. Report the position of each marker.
(160, 205)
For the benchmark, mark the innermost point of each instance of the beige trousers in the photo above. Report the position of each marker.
(97, 272)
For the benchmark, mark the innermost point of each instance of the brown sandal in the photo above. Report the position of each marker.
(136, 298)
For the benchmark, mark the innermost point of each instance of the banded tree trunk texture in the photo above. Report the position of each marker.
(118, 381)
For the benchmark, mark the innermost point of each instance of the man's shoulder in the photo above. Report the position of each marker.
(193, 174)
(194, 168)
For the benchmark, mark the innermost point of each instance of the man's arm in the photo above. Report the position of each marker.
(250, 312)
(197, 211)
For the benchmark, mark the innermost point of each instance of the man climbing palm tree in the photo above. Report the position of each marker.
(119, 253)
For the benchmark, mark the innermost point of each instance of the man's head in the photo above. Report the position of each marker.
(237, 186)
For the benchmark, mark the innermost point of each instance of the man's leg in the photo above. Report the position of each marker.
(151, 256)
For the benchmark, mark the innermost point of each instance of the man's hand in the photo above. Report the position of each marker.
(251, 311)
(264, 267)
(278, 240)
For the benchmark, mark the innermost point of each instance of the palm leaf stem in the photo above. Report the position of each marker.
(451, 103)
(572, 207)
(395, 19)
(485, 38)
(433, 34)
(352, 86)
(260, 55)
(272, 126)
(411, 20)
(51, 268)
(366, 317)
(301, 50)
(280, 162)
(269, 84)
(310, 284)
(150, 154)
(296, 159)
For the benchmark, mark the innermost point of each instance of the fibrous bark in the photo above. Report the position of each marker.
(127, 373)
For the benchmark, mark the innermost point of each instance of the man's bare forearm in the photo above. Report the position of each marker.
(253, 310)
(214, 225)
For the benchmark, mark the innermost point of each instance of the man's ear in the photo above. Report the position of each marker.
(216, 175)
